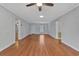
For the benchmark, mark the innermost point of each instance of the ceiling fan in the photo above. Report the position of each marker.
(40, 5)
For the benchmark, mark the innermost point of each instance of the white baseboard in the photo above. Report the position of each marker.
(70, 46)
(20, 38)
(11, 43)
(8, 45)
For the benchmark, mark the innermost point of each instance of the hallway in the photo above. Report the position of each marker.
(39, 45)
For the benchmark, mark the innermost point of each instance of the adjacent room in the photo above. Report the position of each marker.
(39, 29)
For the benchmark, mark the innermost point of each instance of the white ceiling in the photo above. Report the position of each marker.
(31, 14)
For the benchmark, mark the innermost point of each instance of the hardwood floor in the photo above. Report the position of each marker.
(39, 45)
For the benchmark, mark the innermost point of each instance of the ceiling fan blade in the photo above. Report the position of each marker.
(31, 4)
(48, 4)
(40, 8)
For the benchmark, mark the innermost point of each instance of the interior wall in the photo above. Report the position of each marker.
(38, 28)
(7, 28)
(23, 29)
(52, 28)
(69, 26)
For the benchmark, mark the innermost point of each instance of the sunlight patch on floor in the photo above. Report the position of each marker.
(41, 38)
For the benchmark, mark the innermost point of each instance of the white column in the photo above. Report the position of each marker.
(18, 23)
(57, 29)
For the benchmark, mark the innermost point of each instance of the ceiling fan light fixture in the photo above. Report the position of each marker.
(39, 4)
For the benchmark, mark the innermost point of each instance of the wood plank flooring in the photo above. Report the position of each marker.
(39, 45)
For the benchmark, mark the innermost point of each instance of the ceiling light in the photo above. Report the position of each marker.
(39, 4)
(41, 16)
